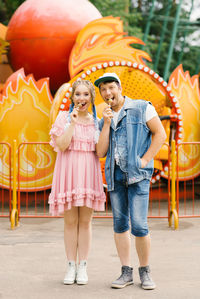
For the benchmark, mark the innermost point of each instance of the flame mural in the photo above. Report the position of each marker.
(24, 116)
(186, 90)
(103, 40)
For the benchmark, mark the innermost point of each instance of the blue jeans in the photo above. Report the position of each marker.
(130, 201)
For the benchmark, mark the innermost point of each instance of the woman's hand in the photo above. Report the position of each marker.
(74, 115)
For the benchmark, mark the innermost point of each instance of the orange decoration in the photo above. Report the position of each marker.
(186, 90)
(102, 162)
(24, 116)
(42, 33)
(103, 40)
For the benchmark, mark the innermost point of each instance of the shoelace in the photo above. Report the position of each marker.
(71, 269)
(145, 275)
(81, 268)
(125, 272)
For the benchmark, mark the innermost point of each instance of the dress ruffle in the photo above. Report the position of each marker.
(80, 198)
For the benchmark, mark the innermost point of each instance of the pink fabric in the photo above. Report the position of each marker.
(77, 179)
(58, 128)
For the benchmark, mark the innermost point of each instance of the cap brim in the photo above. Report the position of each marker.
(105, 79)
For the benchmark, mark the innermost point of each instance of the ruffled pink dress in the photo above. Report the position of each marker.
(77, 178)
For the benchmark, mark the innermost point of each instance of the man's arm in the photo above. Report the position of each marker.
(103, 143)
(158, 138)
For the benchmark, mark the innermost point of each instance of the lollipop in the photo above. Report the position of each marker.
(110, 102)
(79, 105)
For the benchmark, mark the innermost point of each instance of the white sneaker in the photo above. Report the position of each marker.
(70, 275)
(82, 277)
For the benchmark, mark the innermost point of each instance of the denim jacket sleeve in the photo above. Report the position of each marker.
(101, 123)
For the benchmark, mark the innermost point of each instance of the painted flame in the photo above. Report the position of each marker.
(103, 39)
(24, 116)
(186, 89)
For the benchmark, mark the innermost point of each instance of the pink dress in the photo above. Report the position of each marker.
(77, 178)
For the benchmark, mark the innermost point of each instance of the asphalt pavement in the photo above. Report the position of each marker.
(33, 262)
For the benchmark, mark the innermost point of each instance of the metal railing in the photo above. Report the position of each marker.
(174, 197)
(188, 189)
(5, 180)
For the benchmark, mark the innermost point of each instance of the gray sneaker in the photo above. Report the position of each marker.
(146, 280)
(125, 279)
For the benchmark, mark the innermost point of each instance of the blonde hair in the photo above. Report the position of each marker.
(91, 89)
(88, 84)
(58, 98)
(60, 94)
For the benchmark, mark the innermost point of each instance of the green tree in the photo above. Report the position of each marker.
(7, 9)
(3, 12)
(135, 15)
(122, 9)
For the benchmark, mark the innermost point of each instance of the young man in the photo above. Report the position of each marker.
(131, 135)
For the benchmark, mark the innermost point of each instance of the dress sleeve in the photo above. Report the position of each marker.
(58, 128)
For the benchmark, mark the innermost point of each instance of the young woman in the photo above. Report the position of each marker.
(77, 187)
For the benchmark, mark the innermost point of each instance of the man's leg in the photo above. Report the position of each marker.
(119, 203)
(123, 245)
(138, 195)
(142, 245)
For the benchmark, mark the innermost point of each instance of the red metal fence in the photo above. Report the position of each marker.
(32, 203)
(35, 203)
(188, 190)
(5, 179)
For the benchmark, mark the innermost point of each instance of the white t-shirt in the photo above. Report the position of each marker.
(150, 113)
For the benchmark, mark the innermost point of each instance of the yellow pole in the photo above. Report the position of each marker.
(173, 210)
(14, 213)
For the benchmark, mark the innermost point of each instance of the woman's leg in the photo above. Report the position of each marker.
(84, 232)
(84, 240)
(71, 233)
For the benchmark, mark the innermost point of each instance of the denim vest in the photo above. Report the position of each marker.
(132, 139)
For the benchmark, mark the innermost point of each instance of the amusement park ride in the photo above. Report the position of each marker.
(48, 51)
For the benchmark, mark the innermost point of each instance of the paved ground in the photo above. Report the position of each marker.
(32, 262)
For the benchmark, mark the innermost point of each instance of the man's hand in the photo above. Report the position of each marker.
(143, 162)
(107, 115)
